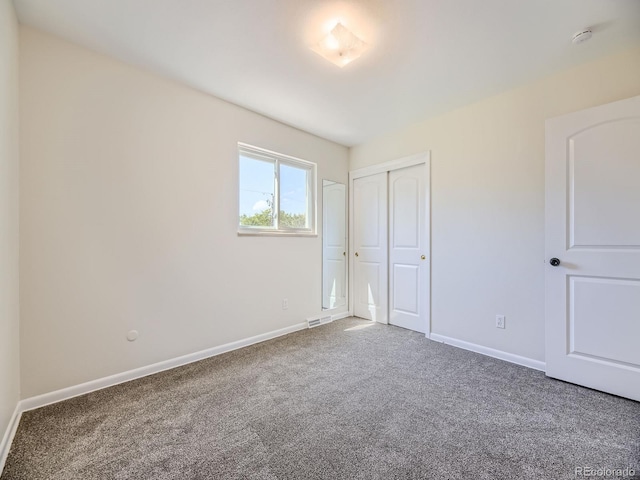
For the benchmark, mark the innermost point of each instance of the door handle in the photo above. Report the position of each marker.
(422, 257)
(554, 262)
(357, 254)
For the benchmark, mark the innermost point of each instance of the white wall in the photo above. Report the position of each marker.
(9, 172)
(128, 219)
(487, 171)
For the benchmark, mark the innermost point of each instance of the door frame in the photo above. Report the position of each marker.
(404, 162)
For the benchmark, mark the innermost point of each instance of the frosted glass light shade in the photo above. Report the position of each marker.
(341, 46)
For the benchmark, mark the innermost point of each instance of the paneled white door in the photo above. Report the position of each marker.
(593, 248)
(370, 247)
(408, 255)
(334, 246)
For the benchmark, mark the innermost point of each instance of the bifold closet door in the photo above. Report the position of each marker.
(370, 247)
(408, 252)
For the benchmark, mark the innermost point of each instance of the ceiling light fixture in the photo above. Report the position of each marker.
(341, 46)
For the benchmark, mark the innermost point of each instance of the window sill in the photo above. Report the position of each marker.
(274, 233)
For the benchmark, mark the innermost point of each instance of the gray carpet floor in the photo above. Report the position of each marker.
(349, 400)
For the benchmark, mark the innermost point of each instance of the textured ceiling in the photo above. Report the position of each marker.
(425, 56)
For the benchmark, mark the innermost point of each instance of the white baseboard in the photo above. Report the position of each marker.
(340, 316)
(93, 385)
(490, 352)
(7, 438)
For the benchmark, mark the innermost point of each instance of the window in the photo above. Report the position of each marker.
(276, 193)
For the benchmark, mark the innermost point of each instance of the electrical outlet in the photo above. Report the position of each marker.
(285, 303)
(500, 321)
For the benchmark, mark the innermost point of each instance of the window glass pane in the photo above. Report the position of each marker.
(257, 189)
(294, 205)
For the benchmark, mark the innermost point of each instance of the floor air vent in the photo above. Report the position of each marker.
(316, 322)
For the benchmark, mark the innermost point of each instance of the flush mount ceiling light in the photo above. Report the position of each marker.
(341, 46)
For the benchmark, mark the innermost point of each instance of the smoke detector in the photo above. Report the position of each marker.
(581, 36)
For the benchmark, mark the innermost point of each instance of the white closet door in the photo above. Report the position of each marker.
(593, 248)
(408, 252)
(334, 245)
(370, 247)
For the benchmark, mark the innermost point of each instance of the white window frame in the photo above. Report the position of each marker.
(280, 159)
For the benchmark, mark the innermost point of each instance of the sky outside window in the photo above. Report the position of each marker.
(257, 180)
(257, 183)
(293, 191)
